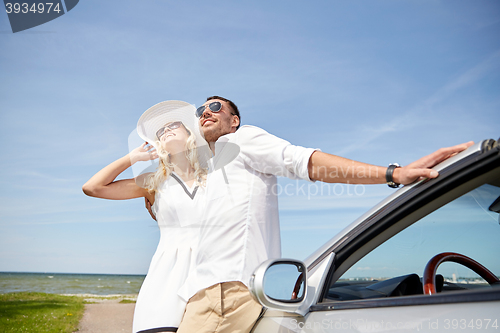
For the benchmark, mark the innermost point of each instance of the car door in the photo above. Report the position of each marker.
(375, 282)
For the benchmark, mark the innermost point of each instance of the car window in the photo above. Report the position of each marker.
(395, 268)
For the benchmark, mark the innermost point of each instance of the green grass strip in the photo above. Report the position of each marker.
(124, 301)
(39, 312)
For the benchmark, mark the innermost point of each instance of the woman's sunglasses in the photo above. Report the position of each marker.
(168, 128)
(214, 107)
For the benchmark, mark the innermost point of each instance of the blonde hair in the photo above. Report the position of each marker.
(165, 167)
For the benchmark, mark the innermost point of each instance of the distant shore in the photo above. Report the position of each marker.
(110, 296)
(71, 284)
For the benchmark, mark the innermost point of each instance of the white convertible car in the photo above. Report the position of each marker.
(425, 259)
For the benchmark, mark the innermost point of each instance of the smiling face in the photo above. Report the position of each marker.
(173, 137)
(216, 124)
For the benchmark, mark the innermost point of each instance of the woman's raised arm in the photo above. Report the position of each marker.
(103, 184)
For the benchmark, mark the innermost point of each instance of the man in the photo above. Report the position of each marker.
(241, 229)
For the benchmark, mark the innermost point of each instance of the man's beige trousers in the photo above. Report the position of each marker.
(226, 307)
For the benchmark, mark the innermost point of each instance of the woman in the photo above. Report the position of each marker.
(176, 191)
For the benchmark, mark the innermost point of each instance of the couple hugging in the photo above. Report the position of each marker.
(218, 215)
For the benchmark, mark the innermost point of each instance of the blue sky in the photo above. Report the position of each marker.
(376, 81)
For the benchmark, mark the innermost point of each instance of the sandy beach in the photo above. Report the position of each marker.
(107, 315)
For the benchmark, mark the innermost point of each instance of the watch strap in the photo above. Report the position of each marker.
(388, 175)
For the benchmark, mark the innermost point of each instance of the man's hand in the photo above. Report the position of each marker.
(421, 168)
(148, 207)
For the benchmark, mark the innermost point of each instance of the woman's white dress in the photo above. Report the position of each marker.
(178, 210)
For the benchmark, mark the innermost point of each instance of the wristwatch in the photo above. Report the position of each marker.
(388, 175)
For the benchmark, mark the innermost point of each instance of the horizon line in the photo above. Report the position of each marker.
(19, 272)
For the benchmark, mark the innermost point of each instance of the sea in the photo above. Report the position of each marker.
(58, 283)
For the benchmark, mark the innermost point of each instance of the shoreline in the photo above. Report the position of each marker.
(93, 285)
(92, 298)
(100, 296)
(58, 273)
(134, 296)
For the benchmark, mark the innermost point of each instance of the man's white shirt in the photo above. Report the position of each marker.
(240, 226)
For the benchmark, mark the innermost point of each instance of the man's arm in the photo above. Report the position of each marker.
(335, 169)
(149, 207)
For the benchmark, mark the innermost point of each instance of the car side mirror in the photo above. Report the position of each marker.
(280, 284)
(495, 207)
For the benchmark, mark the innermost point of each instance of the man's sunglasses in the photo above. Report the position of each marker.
(214, 107)
(168, 128)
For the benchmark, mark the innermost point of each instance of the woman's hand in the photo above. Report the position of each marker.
(144, 152)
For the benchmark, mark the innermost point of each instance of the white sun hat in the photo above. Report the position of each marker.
(166, 112)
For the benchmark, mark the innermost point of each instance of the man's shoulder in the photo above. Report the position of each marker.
(248, 135)
(249, 128)
(248, 131)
